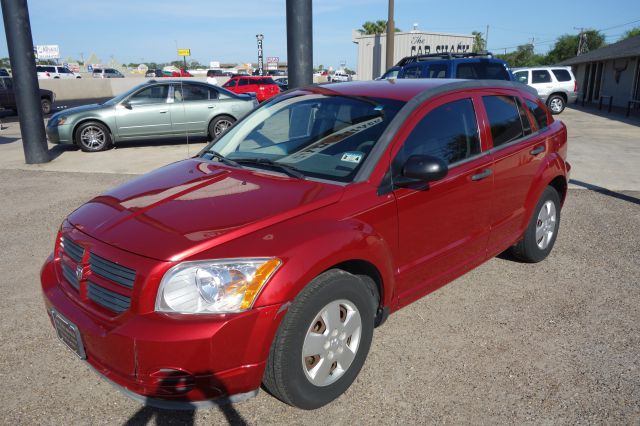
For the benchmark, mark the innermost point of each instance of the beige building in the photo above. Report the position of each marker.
(372, 50)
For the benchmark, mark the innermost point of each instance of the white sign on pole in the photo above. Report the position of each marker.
(49, 51)
(214, 64)
(273, 60)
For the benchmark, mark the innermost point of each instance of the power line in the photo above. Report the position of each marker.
(621, 25)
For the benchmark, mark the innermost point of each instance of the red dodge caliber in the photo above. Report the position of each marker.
(270, 257)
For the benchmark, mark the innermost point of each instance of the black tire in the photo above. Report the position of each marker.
(556, 104)
(219, 125)
(287, 373)
(92, 136)
(46, 106)
(531, 248)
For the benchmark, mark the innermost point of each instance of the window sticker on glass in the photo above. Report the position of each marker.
(352, 157)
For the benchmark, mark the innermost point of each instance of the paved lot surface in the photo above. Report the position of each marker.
(509, 343)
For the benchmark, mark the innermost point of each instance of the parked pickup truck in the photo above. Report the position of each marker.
(8, 97)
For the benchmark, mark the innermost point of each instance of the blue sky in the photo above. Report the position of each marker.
(136, 30)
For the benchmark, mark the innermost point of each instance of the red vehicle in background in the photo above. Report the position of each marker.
(263, 87)
(177, 73)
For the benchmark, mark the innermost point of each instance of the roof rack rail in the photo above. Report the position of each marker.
(444, 55)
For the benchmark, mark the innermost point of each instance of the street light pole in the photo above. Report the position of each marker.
(17, 28)
(299, 43)
(391, 34)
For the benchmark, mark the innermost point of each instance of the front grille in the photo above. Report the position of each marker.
(70, 275)
(73, 250)
(112, 271)
(107, 298)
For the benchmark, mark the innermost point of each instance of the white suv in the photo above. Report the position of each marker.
(55, 71)
(556, 86)
(106, 73)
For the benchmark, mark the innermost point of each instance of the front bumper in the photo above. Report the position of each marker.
(169, 361)
(60, 134)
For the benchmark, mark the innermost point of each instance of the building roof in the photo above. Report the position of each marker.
(621, 49)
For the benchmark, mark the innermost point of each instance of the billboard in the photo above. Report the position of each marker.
(48, 51)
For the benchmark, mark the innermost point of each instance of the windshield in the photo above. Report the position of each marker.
(322, 136)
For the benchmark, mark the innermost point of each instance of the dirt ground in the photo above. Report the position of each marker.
(509, 343)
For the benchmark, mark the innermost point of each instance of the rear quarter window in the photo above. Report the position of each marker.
(504, 118)
(562, 75)
(538, 113)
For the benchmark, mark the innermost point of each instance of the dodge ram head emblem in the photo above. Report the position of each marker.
(79, 272)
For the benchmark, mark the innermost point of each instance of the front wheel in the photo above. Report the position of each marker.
(92, 137)
(542, 231)
(219, 125)
(556, 104)
(322, 342)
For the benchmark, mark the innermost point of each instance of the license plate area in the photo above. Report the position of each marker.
(69, 334)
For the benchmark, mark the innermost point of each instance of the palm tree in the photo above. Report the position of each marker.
(479, 43)
(375, 28)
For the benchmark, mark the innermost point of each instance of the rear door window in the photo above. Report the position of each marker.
(562, 75)
(482, 70)
(504, 119)
(540, 76)
(449, 132)
(436, 71)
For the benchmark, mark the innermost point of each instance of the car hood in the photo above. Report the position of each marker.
(190, 206)
(82, 108)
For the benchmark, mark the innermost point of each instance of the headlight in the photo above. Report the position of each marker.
(59, 121)
(214, 286)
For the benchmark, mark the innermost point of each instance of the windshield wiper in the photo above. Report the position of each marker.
(290, 170)
(224, 159)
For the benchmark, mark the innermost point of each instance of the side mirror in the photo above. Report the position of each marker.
(126, 104)
(422, 169)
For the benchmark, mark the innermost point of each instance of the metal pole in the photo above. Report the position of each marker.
(17, 28)
(299, 43)
(391, 34)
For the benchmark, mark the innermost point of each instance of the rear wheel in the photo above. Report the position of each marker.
(219, 125)
(322, 342)
(556, 104)
(46, 105)
(542, 231)
(92, 137)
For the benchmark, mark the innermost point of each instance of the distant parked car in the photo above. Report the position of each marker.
(340, 76)
(155, 109)
(556, 86)
(153, 73)
(55, 71)
(106, 73)
(472, 66)
(8, 97)
(215, 73)
(263, 87)
(176, 73)
(283, 83)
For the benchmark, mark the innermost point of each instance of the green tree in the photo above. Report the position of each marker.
(5, 63)
(377, 28)
(633, 32)
(566, 46)
(479, 43)
(523, 56)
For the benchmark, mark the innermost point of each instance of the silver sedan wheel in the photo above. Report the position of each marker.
(221, 126)
(546, 224)
(556, 105)
(93, 137)
(331, 342)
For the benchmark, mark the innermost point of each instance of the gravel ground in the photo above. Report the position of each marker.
(508, 343)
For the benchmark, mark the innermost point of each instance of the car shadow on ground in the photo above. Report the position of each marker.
(58, 150)
(182, 140)
(617, 113)
(185, 416)
(5, 140)
(605, 191)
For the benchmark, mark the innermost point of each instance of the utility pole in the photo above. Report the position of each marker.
(391, 35)
(17, 28)
(486, 39)
(582, 42)
(299, 43)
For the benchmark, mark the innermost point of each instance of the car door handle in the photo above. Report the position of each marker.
(164, 111)
(211, 106)
(537, 150)
(483, 174)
